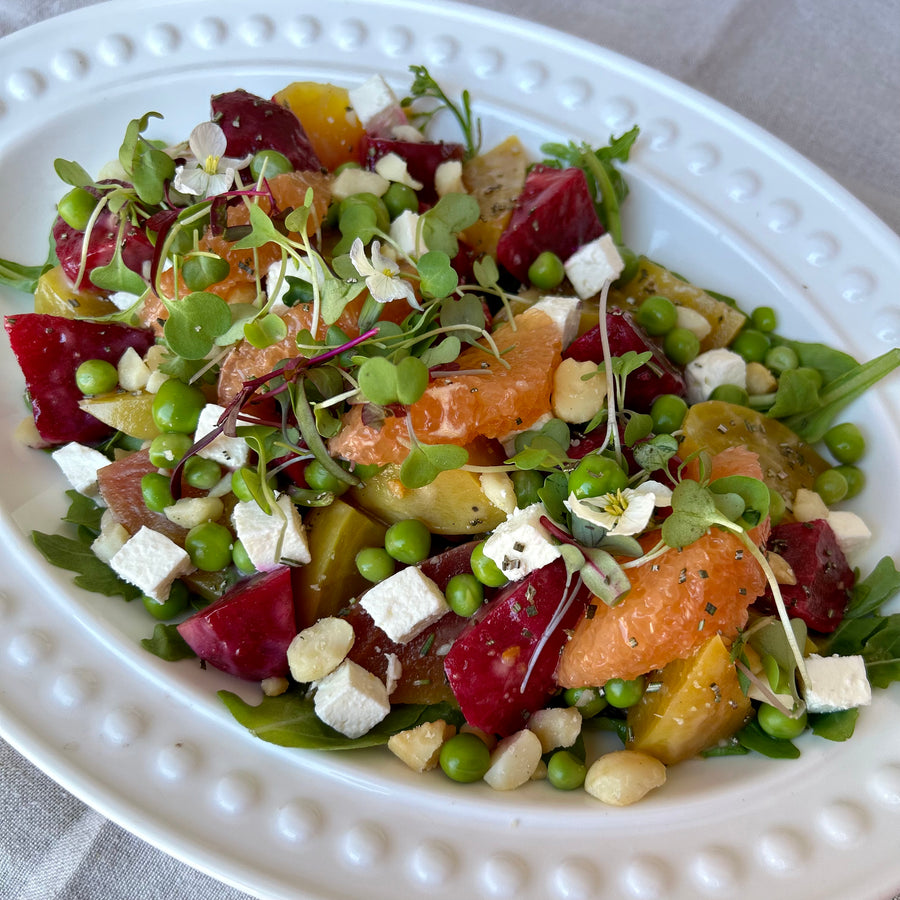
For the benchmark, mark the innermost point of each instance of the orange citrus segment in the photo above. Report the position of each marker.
(489, 400)
(675, 603)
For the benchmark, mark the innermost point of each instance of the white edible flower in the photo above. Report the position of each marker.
(381, 274)
(209, 172)
(625, 511)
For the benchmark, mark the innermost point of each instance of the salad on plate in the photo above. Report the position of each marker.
(400, 429)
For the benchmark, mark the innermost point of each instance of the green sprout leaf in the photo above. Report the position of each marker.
(438, 277)
(204, 269)
(754, 496)
(426, 461)
(466, 311)
(639, 426)
(450, 215)
(116, 276)
(693, 512)
(655, 454)
(72, 173)
(264, 332)
(195, 322)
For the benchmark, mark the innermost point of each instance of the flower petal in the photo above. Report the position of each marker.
(358, 258)
(381, 263)
(662, 495)
(590, 513)
(207, 139)
(191, 180)
(637, 514)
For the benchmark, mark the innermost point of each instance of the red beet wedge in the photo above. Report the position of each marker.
(422, 159)
(49, 349)
(554, 212)
(824, 579)
(488, 663)
(247, 631)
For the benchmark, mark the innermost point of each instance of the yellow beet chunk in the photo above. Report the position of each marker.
(336, 533)
(651, 278)
(453, 503)
(328, 119)
(495, 180)
(699, 702)
(55, 296)
(130, 413)
(788, 463)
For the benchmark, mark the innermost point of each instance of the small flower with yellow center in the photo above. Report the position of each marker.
(626, 511)
(382, 275)
(207, 172)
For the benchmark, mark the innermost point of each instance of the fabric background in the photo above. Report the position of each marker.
(821, 75)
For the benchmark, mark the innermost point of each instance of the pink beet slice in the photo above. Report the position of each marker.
(824, 578)
(554, 212)
(487, 664)
(49, 349)
(645, 384)
(252, 123)
(422, 159)
(246, 632)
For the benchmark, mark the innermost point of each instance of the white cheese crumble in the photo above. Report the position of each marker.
(834, 683)
(566, 315)
(351, 700)
(520, 545)
(712, 369)
(264, 534)
(80, 465)
(393, 167)
(151, 562)
(232, 452)
(593, 265)
(373, 97)
(405, 604)
(405, 233)
(448, 178)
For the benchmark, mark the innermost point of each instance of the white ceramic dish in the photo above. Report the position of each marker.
(148, 744)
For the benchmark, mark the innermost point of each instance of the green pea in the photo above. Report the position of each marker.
(781, 358)
(375, 564)
(201, 473)
(526, 483)
(399, 198)
(547, 271)
(156, 489)
(350, 164)
(465, 758)
(209, 546)
(174, 605)
(776, 506)
(76, 207)
(465, 594)
(588, 701)
(668, 412)
(408, 541)
(845, 442)
(681, 346)
(596, 475)
(167, 450)
(657, 315)
(778, 725)
(855, 478)
(485, 569)
(320, 479)
(241, 559)
(752, 345)
(565, 771)
(831, 486)
(764, 319)
(269, 163)
(730, 393)
(177, 406)
(622, 693)
(244, 483)
(96, 376)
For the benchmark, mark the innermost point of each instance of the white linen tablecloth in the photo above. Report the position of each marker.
(822, 75)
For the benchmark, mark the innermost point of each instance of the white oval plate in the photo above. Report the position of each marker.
(148, 744)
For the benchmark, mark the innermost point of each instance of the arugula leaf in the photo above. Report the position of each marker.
(19, 277)
(834, 726)
(289, 720)
(877, 640)
(167, 643)
(83, 511)
(869, 593)
(753, 737)
(75, 554)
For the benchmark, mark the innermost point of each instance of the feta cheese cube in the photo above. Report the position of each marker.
(271, 539)
(849, 529)
(566, 315)
(80, 465)
(351, 700)
(405, 232)
(712, 369)
(593, 265)
(448, 178)
(405, 604)
(393, 167)
(373, 97)
(521, 544)
(232, 452)
(836, 682)
(151, 562)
